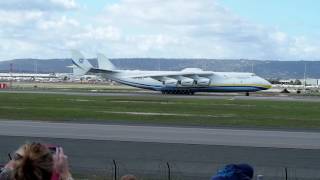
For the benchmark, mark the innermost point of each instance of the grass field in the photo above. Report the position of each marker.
(79, 87)
(161, 110)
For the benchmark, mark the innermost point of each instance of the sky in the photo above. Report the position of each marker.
(228, 29)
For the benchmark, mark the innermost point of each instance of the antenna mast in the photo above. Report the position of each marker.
(304, 76)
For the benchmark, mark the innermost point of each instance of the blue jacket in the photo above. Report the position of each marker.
(235, 172)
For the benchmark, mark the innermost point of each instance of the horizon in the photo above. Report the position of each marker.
(164, 58)
(179, 29)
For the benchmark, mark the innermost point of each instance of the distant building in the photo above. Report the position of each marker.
(311, 82)
(26, 76)
(287, 81)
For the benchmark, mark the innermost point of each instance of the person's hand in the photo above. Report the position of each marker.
(10, 165)
(60, 164)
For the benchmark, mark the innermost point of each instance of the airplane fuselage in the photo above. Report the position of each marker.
(186, 81)
(216, 82)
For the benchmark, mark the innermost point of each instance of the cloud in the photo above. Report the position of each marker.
(34, 28)
(143, 28)
(192, 28)
(17, 18)
(39, 5)
(60, 23)
(302, 48)
(203, 28)
(106, 33)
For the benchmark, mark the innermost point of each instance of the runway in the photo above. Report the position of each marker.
(253, 96)
(158, 134)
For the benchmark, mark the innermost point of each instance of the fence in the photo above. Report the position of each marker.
(84, 168)
(162, 170)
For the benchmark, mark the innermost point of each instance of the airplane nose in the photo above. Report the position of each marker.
(266, 84)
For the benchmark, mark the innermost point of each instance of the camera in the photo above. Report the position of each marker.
(52, 148)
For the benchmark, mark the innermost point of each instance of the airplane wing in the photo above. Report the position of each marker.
(175, 75)
(96, 70)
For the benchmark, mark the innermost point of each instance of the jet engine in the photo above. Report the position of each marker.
(170, 83)
(203, 81)
(187, 82)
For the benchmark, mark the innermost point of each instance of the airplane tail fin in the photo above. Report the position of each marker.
(104, 63)
(80, 65)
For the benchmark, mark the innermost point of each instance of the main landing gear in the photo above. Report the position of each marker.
(247, 94)
(182, 92)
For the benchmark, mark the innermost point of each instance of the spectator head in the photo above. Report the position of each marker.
(235, 172)
(128, 177)
(246, 169)
(33, 162)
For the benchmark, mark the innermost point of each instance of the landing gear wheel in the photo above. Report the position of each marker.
(247, 94)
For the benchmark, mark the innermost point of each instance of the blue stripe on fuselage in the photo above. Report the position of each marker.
(218, 89)
(139, 85)
(195, 89)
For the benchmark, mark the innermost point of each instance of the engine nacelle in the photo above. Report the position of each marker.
(170, 83)
(187, 82)
(203, 82)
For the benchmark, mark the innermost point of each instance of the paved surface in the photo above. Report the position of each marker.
(177, 135)
(193, 153)
(186, 161)
(260, 96)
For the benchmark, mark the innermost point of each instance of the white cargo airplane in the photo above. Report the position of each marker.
(187, 81)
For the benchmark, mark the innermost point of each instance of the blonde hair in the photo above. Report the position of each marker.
(36, 163)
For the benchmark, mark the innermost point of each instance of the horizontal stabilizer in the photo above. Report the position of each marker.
(104, 63)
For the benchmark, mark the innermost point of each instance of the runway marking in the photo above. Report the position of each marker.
(81, 100)
(168, 114)
(184, 103)
(148, 102)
